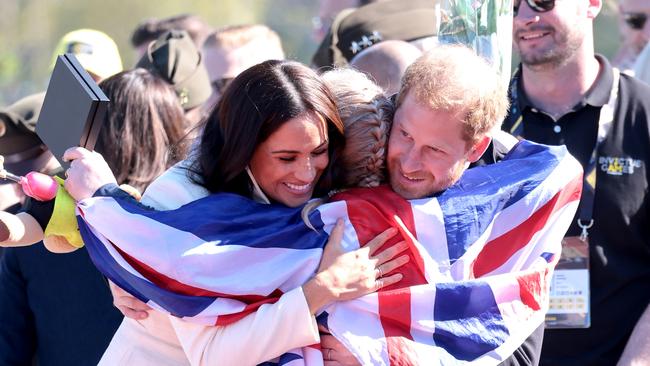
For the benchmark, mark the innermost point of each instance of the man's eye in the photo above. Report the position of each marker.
(287, 159)
(405, 134)
(319, 152)
(434, 149)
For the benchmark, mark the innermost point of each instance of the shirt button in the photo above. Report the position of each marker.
(534, 110)
(557, 129)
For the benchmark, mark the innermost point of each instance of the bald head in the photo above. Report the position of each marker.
(386, 62)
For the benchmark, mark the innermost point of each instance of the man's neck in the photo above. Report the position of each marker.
(556, 90)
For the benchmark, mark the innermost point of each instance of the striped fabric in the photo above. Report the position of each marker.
(482, 253)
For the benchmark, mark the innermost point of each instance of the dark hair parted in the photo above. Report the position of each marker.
(143, 127)
(256, 103)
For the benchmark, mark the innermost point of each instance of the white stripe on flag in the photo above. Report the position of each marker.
(357, 323)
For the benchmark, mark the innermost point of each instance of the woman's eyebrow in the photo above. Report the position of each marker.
(296, 151)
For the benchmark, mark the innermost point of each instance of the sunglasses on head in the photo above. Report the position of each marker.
(539, 6)
(635, 20)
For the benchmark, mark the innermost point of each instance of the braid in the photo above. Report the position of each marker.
(371, 171)
(367, 114)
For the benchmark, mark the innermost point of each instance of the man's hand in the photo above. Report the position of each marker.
(335, 353)
(128, 305)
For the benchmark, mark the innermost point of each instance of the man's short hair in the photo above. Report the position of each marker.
(235, 36)
(455, 79)
(150, 29)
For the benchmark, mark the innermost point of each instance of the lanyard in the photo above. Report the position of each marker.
(605, 122)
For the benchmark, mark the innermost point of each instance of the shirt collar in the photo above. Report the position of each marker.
(597, 95)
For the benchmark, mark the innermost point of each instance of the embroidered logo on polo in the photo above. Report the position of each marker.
(618, 165)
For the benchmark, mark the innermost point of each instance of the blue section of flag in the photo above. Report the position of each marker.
(473, 310)
(492, 191)
(230, 219)
(177, 304)
(283, 360)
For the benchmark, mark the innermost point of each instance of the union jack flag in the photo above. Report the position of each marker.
(481, 256)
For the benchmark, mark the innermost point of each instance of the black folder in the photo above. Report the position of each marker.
(73, 109)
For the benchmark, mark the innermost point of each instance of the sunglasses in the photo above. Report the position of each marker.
(635, 20)
(539, 6)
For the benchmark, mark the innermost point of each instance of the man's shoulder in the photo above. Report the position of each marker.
(633, 107)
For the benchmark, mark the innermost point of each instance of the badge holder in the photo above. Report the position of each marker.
(569, 305)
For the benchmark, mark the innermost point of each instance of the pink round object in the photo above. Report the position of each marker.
(39, 186)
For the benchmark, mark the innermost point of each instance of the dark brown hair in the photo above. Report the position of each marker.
(142, 129)
(256, 104)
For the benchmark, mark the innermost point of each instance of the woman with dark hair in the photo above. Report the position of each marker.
(143, 128)
(275, 136)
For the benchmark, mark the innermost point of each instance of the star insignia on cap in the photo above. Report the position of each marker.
(355, 47)
(365, 42)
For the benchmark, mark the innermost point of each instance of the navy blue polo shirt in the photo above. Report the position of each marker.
(620, 238)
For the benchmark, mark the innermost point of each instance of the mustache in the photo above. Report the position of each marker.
(533, 28)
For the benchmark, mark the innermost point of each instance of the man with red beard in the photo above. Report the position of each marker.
(563, 93)
(448, 106)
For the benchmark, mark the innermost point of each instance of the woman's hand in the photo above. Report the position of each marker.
(335, 353)
(128, 305)
(345, 276)
(87, 173)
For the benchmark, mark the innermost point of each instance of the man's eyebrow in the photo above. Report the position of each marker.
(296, 151)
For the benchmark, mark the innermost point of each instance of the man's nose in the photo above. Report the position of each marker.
(411, 161)
(525, 15)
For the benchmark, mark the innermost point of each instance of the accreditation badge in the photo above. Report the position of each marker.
(569, 296)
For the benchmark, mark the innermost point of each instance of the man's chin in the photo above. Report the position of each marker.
(411, 193)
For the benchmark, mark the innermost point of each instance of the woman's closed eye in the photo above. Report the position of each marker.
(320, 151)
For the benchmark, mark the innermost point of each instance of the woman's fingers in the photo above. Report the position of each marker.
(389, 267)
(128, 305)
(387, 281)
(337, 233)
(390, 253)
(333, 248)
(380, 240)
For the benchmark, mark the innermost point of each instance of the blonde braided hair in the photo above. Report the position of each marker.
(367, 115)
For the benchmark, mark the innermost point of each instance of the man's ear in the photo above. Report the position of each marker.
(477, 150)
(594, 8)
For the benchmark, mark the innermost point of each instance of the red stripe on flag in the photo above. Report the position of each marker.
(499, 250)
(371, 211)
(533, 288)
(173, 285)
(249, 309)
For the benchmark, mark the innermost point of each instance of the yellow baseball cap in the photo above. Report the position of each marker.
(96, 51)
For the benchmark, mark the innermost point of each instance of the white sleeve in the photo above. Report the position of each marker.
(261, 336)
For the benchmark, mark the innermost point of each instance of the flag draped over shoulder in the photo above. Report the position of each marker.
(481, 256)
